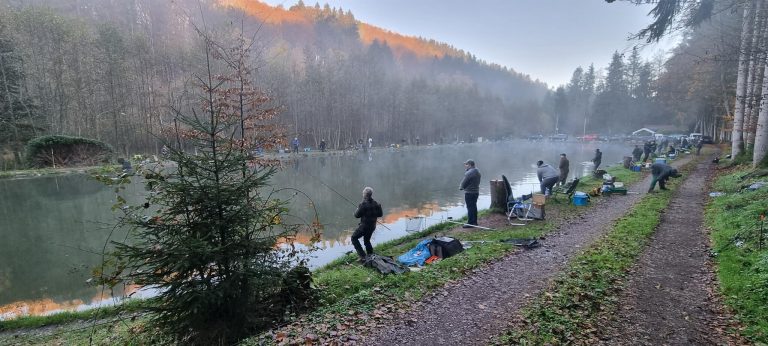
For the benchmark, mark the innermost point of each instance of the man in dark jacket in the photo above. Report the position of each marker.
(548, 177)
(367, 212)
(637, 153)
(661, 173)
(565, 168)
(598, 158)
(647, 150)
(471, 187)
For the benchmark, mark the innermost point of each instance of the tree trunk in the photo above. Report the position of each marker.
(761, 129)
(498, 196)
(755, 79)
(737, 136)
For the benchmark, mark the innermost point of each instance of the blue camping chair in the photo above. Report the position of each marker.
(518, 208)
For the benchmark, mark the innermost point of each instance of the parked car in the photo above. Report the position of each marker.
(695, 136)
(707, 140)
(587, 138)
(560, 137)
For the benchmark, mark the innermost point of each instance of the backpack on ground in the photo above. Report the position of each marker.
(445, 247)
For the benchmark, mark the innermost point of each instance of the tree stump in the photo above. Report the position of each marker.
(498, 196)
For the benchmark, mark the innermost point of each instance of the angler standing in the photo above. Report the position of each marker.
(471, 187)
(565, 167)
(367, 212)
(598, 158)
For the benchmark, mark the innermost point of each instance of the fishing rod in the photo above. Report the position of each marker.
(344, 197)
(450, 219)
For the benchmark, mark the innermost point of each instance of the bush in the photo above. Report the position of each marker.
(66, 151)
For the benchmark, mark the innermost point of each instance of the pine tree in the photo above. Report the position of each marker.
(206, 236)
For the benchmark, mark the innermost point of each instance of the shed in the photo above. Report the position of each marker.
(650, 132)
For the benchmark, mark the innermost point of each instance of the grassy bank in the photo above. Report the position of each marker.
(129, 307)
(570, 308)
(31, 173)
(742, 265)
(349, 292)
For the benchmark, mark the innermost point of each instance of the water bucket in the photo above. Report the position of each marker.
(660, 160)
(580, 198)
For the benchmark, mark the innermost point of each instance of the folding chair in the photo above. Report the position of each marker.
(517, 206)
(567, 189)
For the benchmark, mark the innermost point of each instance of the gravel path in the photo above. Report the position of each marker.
(669, 299)
(481, 306)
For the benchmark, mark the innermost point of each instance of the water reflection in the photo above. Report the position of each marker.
(52, 229)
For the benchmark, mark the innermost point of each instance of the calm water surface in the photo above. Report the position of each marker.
(52, 229)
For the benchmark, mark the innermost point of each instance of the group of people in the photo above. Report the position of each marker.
(323, 145)
(549, 176)
(369, 210)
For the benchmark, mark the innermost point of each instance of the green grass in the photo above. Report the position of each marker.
(346, 286)
(70, 316)
(742, 266)
(569, 309)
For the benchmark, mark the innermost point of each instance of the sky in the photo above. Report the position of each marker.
(546, 39)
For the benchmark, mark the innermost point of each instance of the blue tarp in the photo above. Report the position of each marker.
(417, 255)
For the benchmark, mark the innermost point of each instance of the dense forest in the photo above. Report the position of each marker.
(109, 70)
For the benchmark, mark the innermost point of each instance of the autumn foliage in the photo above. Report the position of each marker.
(306, 16)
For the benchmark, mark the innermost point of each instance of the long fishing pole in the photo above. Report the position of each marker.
(450, 219)
(344, 197)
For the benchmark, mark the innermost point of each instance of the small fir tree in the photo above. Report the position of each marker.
(207, 237)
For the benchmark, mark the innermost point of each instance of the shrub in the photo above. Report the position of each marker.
(66, 151)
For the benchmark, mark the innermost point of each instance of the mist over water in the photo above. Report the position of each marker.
(52, 229)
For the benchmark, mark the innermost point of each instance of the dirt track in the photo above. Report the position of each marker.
(481, 306)
(669, 299)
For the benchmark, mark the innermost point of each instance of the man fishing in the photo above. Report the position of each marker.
(548, 177)
(368, 211)
(471, 186)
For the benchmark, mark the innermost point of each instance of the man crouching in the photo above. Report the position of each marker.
(661, 173)
(367, 212)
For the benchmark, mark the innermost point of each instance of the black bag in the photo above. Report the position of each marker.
(446, 247)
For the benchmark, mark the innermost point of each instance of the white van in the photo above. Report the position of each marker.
(694, 137)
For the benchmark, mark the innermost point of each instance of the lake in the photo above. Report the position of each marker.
(53, 229)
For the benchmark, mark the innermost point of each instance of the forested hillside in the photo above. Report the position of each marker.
(109, 70)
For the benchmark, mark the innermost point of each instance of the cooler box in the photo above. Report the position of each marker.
(580, 198)
(636, 168)
(617, 190)
(660, 160)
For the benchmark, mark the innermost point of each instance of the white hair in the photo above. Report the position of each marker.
(367, 191)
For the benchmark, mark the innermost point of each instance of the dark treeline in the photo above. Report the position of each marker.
(109, 70)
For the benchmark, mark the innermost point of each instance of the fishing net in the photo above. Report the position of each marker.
(415, 224)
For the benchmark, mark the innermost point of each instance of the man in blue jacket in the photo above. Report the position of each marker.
(471, 187)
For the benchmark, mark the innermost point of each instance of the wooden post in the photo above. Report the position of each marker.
(498, 196)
